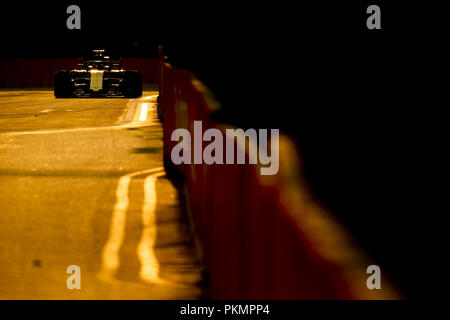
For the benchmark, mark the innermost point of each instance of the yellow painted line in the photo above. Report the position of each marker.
(110, 254)
(149, 263)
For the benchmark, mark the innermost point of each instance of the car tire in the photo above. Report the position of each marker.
(62, 87)
(132, 84)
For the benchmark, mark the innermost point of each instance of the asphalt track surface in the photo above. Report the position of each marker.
(81, 183)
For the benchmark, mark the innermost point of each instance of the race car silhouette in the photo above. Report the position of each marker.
(98, 75)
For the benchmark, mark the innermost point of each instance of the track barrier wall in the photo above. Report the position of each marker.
(261, 237)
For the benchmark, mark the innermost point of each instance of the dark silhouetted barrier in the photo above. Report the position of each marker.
(32, 73)
(262, 237)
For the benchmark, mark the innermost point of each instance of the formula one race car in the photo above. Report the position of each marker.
(98, 75)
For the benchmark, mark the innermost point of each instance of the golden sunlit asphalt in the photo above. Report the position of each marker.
(81, 184)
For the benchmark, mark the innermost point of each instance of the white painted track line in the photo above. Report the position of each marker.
(110, 255)
(144, 110)
(149, 263)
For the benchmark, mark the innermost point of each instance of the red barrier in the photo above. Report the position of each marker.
(263, 237)
(30, 73)
(23, 73)
(148, 67)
